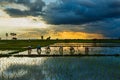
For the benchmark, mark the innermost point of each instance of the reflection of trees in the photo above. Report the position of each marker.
(49, 69)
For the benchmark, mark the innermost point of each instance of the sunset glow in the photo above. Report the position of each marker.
(62, 35)
(83, 19)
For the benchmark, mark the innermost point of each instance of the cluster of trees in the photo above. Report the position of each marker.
(13, 35)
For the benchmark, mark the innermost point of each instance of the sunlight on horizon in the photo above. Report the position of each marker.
(61, 35)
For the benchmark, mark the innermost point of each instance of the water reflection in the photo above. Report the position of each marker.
(75, 50)
(72, 68)
(39, 49)
(6, 51)
(20, 68)
(47, 50)
(86, 50)
(61, 50)
(72, 50)
(86, 44)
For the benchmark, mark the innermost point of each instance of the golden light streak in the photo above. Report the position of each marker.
(62, 35)
(78, 35)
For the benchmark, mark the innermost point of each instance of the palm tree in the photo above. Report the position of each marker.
(6, 35)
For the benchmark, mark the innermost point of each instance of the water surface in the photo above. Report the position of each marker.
(62, 68)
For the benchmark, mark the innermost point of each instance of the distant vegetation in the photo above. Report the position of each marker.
(23, 44)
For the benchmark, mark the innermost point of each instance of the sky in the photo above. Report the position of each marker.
(63, 19)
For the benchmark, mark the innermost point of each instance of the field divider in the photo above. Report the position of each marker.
(78, 55)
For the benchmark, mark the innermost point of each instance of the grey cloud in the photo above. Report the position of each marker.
(109, 28)
(35, 7)
(115, 4)
(17, 12)
(93, 16)
(81, 11)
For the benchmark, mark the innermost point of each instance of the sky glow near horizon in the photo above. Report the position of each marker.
(63, 19)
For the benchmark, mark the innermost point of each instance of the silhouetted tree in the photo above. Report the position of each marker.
(13, 36)
(42, 37)
(6, 36)
(48, 38)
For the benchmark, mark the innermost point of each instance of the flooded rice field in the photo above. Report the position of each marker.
(60, 68)
(63, 68)
(6, 51)
(78, 50)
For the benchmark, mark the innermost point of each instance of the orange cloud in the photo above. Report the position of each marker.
(78, 35)
(62, 35)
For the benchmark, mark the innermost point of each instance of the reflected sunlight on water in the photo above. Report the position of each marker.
(6, 51)
(78, 50)
(62, 68)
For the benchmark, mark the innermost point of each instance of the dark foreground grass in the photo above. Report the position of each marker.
(23, 44)
(75, 55)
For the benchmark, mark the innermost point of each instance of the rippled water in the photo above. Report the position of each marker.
(62, 68)
(6, 51)
(79, 50)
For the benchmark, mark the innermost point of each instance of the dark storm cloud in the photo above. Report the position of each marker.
(115, 3)
(17, 12)
(35, 7)
(81, 11)
(109, 28)
(92, 16)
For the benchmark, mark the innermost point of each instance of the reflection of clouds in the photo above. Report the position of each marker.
(79, 49)
(70, 68)
(13, 74)
(104, 50)
(17, 72)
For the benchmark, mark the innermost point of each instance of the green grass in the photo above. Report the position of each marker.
(23, 44)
